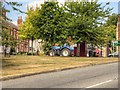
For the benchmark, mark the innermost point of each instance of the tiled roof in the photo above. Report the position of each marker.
(10, 24)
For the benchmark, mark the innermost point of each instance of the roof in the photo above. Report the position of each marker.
(10, 24)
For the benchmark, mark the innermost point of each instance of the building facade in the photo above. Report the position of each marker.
(118, 32)
(23, 46)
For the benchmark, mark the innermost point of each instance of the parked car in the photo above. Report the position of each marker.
(115, 54)
(64, 50)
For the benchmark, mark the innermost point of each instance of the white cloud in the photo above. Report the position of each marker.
(39, 2)
(57, 0)
(17, 0)
(35, 3)
(109, 0)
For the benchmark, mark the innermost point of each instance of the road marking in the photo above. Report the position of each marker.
(99, 84)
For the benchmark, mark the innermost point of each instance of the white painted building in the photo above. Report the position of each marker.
(37, 45)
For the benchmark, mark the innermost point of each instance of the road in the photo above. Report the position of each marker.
(98, 76)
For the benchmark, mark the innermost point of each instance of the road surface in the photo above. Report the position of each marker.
(98, 76)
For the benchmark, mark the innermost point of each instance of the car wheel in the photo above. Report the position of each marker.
(65, 52)
(72, 53)
(51, 53)
(111, 56)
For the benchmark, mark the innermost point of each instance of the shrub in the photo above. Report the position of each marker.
(30, 53)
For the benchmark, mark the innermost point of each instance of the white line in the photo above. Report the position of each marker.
(99, 84)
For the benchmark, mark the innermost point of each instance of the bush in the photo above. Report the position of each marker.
(14, 53)
(41, 53)
(46, 47)
(30, 53)
(19, 53)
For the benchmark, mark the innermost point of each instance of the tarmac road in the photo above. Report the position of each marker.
(98, 76)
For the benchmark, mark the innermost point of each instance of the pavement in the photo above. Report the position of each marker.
(98, 76)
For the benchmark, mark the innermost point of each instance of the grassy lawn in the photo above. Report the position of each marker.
(17, 65)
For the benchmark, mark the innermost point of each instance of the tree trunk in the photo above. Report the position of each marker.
(78, 50)
(83, 49)
(32, 46)
(5, 47)
(101, 51)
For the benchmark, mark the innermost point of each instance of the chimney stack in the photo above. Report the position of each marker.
(19, 21)
(4, 15)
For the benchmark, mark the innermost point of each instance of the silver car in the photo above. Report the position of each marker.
(115, 54)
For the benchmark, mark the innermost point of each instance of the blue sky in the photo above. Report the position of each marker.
(14, 14)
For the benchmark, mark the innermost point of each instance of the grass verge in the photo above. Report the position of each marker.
(18, 65)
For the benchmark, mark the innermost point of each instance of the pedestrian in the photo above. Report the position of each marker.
(37, 52)
(8, 51)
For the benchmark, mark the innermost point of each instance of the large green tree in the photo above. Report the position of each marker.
(112, 20)
(80, 20)
(51, 24)
(86, 19)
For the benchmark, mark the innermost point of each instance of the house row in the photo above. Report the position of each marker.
(24, 45)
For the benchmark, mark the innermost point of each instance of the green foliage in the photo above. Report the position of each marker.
(112, 20)
(110, 29)
(46, 47)
(81, 21)
(110, 33)
(8, 39)
(48, 23)
(27, 31)
(85, 20)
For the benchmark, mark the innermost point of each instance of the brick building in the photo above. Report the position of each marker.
(118, 32)
(8, 28)
(23, 46)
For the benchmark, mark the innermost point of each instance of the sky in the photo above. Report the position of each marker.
(14, 14)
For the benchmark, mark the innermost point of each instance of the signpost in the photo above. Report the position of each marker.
(115, 43)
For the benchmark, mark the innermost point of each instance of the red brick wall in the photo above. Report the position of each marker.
(19, 21)
(119, 32)
(118, 27)
(4, 15)
(24, 46)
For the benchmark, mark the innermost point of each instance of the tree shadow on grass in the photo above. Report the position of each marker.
(7, 62)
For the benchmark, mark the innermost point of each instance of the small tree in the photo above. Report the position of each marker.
(26, 30)
(110, 28)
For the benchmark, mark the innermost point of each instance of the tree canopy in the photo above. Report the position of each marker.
(112, 20)
(85, 20)
(110, 28)
(81, 21)
(51, 23)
